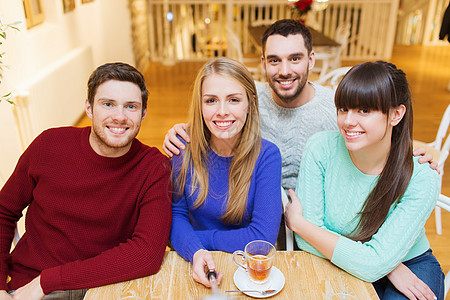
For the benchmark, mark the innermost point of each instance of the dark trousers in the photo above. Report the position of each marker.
(63, 295)
(425, 267)
(281, 239)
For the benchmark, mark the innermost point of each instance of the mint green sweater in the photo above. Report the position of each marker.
(332, 191)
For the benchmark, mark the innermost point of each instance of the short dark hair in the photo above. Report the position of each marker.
(287, 27)
(116, 71)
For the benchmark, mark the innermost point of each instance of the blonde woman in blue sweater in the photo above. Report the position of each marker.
(364, 198)
(227, 180)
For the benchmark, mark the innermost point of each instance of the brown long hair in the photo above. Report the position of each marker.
(381, 86)
(245, 152)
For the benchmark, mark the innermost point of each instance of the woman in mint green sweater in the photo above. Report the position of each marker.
(364, 198)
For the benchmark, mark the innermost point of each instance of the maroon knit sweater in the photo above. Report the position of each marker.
(91, 220)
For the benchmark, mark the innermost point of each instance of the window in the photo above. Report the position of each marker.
(33, 12)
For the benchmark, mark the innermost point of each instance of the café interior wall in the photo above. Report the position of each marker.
(102, 25)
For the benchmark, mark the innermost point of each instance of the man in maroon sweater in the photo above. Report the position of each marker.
(98, 200)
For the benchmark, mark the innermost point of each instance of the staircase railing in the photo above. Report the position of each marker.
(189, 30)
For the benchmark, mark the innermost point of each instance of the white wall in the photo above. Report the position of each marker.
(102, 25)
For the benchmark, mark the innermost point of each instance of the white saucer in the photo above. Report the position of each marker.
(275, 282)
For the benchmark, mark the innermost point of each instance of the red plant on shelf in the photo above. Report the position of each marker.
(300, 8)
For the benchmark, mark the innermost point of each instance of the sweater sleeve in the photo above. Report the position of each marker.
(400, 231)
(182, 235)
(310, 189)
(15, 195)
(139, 256)
(267, 209)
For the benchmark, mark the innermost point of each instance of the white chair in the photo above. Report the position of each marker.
(440, 153)
(15, 240)
(444, 203)
(333, 77)
(443, 155)
(341, 36)
(289, 234)
(16, 237)
(330, 57)
(440, 135)
(234, 51)
(322, 63)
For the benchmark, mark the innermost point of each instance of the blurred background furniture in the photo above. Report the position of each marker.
(16, 237)
(444, 202)
(332, 78)
(440, 153)
(329, 57)
(322, 64)
(441, 161)
(318, 38)
(341, 36)
(251, 61)
(289, 234)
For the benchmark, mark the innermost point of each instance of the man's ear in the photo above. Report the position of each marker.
(88, 109)
(144, 114)
(396, 114)
(312, 60)
(263, 63)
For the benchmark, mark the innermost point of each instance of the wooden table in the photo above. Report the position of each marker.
(307, 277)
(318, 38)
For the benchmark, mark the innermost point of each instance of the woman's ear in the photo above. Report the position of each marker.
(396, 114)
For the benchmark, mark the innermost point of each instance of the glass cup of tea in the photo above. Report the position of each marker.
(258, 257)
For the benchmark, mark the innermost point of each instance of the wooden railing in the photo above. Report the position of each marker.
(187, 30)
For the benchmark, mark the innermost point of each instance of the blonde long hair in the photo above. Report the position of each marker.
(245, 152)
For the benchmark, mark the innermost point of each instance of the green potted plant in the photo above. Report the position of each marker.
(3, 29)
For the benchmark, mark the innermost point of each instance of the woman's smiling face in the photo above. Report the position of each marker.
(363, 128)
(225, 108)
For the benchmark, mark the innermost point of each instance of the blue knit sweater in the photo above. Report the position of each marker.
(202, 228)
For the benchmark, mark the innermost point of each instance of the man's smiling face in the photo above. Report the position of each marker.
(116, 117)
(287, 64)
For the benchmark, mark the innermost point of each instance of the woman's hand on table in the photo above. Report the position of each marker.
(409, 284)
(201, 263)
